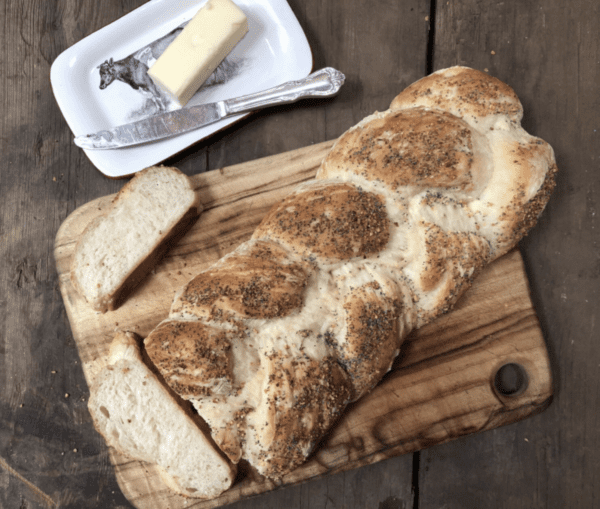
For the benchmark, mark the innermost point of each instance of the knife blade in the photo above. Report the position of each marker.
(323, 83)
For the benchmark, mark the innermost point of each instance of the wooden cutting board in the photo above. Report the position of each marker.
(483, 365)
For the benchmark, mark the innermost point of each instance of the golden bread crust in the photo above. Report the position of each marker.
(332, 221)
(303, 398)
(257, 283)
(417, 147)
(464, 92)
(194, 358)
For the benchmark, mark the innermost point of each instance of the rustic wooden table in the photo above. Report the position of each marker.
(547, 50)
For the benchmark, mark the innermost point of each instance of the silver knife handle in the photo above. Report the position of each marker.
(323, 83)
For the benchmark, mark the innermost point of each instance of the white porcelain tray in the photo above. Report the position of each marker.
(274, 51)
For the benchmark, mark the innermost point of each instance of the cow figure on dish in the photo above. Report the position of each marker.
(133, 70)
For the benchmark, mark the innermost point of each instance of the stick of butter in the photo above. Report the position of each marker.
(197, 51)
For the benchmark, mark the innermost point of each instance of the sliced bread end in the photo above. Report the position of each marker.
(140, 418)
(118, 249)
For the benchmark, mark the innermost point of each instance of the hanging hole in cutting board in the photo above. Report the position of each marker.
(511, 380)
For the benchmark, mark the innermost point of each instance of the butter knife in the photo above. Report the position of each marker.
(324, 83)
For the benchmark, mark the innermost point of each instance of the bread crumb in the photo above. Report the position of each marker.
(66, 394)
(493, 52)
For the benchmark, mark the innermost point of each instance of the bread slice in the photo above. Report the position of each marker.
(140, 417)
(119, 248)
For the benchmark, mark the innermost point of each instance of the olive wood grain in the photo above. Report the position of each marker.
(441, 387)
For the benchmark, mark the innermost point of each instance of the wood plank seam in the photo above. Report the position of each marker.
(431, 42)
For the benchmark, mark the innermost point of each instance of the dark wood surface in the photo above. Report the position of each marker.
(547, 50)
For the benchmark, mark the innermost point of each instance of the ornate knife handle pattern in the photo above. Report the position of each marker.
(323, 83)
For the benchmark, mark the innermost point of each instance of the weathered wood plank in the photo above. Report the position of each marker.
(549, 52)
(48, 450)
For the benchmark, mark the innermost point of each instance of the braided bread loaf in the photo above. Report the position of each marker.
(273, 341)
